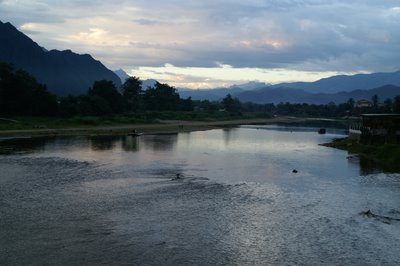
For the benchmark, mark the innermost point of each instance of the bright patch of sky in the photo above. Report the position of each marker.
(224, 76)
(203, 44)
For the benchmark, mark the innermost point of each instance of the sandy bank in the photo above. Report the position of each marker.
(166, 126)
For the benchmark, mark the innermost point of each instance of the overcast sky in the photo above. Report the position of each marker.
(208, 43)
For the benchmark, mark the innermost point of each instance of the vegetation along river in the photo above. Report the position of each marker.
(217, 197)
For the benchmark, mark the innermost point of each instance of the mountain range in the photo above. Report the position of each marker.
(342, 83)
(337, 89)
(292, 95)
(145, 83)
(63, 72)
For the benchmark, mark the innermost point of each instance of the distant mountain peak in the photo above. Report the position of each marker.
(251, 85)
(148, 83)
(121, 74)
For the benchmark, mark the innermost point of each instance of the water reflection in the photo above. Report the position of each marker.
(25, 145)
(229, 134)
(367, 167)
(246, 153)
(298, 128)
(163, 142)
(130, 143)
(236, 202)
(103, 143)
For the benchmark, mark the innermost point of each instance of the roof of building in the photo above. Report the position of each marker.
(363, 101)
(380, 115)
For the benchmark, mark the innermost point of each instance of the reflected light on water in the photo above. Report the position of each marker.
(118, 201)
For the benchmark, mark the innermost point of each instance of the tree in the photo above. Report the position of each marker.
(8, 95)
(351, 103)
(43, 102)
(68, 106)
(206, 105)
(388, 105)
(186, 104)
(132, 94)
(231, 104)
(396, 105)
(99, 106)
(108, 92)
(21, 94)
(162, 97)
(375, 101)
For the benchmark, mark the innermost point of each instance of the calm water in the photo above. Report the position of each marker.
(116, 200)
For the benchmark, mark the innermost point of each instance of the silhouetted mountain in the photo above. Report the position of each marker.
(282, 94)
(384, 92)
(334, 89)
(216, 94)
(121, 74)
(252, 85)
(64, 72)
(148, 83)
(356, 85)
(209, 94)
(346, 83)
(145, 83)
(273, 95)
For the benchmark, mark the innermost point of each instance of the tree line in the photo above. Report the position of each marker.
(103, 98)
(21, 94)
(349, 108)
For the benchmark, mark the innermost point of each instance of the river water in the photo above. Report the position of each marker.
(236, 201)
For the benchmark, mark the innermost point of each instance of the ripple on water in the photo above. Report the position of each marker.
(67, 211)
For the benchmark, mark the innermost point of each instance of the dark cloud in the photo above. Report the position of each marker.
(320, 35)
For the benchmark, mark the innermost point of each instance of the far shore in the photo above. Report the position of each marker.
(163, 127)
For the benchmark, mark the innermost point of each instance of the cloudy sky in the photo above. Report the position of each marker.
(209, 43)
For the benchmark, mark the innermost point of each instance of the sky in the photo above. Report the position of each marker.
(210, 43)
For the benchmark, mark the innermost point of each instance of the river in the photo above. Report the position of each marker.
(217, 197)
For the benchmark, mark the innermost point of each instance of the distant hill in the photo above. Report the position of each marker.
(148, 83)
(346, 83)
(252, 85)
(209, 94)
(121, 74)
(64, 72)
(336, 89)
(298, 91)
(145, 83)
(272, 94)
(216, 94)
(283, 94)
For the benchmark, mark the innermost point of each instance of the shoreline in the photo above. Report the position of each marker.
(164, 127)
(384, 156)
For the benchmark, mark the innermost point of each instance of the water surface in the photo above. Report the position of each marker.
(116, 200)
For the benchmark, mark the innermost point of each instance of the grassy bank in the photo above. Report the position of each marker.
(386, 156)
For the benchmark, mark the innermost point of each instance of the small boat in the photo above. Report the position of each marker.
(135, 134)
(322, 131)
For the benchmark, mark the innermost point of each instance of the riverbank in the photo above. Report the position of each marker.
(161, 127)
(386, 157)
